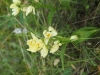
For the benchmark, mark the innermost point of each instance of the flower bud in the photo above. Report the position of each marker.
(74, 38)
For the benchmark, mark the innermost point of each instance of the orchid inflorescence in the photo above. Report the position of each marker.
(43, 46)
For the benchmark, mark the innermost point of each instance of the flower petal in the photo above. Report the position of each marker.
(44, 52)
(15, 11)
(55, 47)
(13, 5)
(53, 31)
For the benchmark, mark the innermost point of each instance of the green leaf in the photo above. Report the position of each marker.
(62, 54)
(85, 33)
(68, 71)
(65, 3)
(50, 16)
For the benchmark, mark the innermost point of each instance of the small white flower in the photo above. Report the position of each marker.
(17, 31)
(25, 30)
(74, 38)
(30, 9)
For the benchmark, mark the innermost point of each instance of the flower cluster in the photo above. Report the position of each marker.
(17, 7)
(43, 46)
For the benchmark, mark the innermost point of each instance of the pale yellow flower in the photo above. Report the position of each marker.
(46, 34)
(35, 44)
(15, 7)
(32, 45)
(15, 11)
(74, 38)
(55, 47)
(50, 33)
(44, 51)
(30, 9)
(17, 1)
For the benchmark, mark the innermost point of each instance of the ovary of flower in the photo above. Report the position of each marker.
(15, 11)
(44, 51)
(74, 38)
(17, 1)
(46, 40)
(24, 9)
(55, 47)
(30, 9)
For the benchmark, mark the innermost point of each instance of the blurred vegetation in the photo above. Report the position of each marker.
(66, 16)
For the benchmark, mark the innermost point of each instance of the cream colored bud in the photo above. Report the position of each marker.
(74, 38)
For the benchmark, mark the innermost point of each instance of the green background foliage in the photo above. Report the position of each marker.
(68, 17)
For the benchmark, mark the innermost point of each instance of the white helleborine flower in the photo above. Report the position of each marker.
(50, 33)
(30, 9)
(17, 1)
(15, 10)
(35, 44)
(55, 47)
(74, 38)
(17, 31)
(44, 51)
(15, 7)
